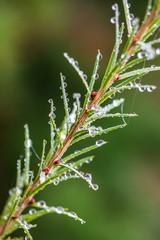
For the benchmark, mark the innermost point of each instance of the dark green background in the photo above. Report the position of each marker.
(33, 36)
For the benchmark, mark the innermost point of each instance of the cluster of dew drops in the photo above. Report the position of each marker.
(59, 210)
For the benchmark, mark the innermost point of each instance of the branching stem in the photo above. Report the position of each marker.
(66, 143)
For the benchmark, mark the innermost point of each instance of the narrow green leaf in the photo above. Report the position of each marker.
(155, 41)
(9, 204)
(42, 162)
(18, 179)
(111, 115)
(79, 174)
(127, 16)
(42, 185)
(52, 130)
(27, 188)
(23, 224)
(156, 5)
(59, 210)
(107, 78)
(57, 132)
(76, 164)
(130, 38)
(93, 78)
(79, 132)
(44, 210)
(80, 152)
(27, 144)
(119, 33)
(119, 87)
(138, 71)
(65, 101)
(111, 65)
(80, 73)
(131, 64)
(76, 96)
(153, 27)
(148, 10)
(13, 209)
(97, 133)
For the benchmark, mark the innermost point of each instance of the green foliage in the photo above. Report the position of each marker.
(78, 123)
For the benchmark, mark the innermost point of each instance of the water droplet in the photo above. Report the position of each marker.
(88, 177)
(99, 142)
(114, 6)
(141, 89)
(113, 20)
(50, 100)
(95, 186)
(96, 76)
(77, 151)
(131, 16)
(32, 211)
(11, 191)
(149, 89)
(28, 143)
(128, 5)
(158, 51)
(42, 203)
(72, 214)
(140, 55)
(153, 66)
(63, 78)
(65, 84)
(56, 183)
(59, 210)
(76, 95)
(27, 237)
(100, 56)
(85, 76)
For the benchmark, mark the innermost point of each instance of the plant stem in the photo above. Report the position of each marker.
(66, 143)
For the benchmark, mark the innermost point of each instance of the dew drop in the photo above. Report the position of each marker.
(122, 56)
(141, 89)
(158, 51)
(95, 186)
(50, 100)
(149, 89)
(28, 143)
(76, 95)
(88, 177)
(128, 5)
(140, 55)
(99, 142)
(85, 76)
(100, 56)
(96, 76)
(114, 6)
(27, 237)
(56, 183)
(153, 66)
(42, 203)
(131, 16)
(65, 84)
(59, 210)
(32, 211)
(113, 20)
(73, 214)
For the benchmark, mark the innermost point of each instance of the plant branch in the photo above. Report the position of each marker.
(66, 143)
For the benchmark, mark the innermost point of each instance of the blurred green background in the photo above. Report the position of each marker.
(33, 36)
